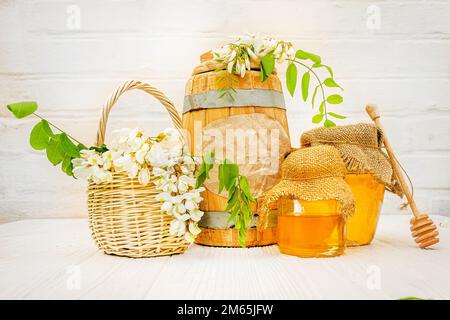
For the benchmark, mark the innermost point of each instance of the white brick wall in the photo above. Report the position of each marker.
(404, 67)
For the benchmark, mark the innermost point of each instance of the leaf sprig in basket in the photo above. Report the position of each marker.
(237, 57)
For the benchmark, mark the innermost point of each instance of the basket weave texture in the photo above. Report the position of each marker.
(124, 216)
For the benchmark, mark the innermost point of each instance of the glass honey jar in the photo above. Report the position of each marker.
(313, 201)
(368, 194)
(310, 229)
(369, 173)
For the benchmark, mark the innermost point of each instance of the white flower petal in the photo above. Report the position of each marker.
(194, 229)
(144, 176)
(189, 237)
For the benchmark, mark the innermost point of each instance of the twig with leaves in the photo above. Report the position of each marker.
(239, 194)
(291, 83)
(60, 147)
(236, 57)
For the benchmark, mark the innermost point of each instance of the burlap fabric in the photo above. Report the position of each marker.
(360, 148)
(311, 174)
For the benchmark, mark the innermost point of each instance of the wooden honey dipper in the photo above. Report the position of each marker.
(422, 227)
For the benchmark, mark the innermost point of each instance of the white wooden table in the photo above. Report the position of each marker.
(56, 259)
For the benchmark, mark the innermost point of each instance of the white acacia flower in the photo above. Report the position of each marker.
(230, 66)
(189, 237)
(196, 214)
(158, 156)
(243, 69)
(128, 164)
(177, 227)
(90, 166)
(144, 176)
(251, 54)
(141, 153)
(236, 55)
(194, 229)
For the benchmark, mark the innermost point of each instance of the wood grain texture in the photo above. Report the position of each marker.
(37, 259)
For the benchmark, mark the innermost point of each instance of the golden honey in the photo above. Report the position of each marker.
(317, 231)
(368, 194)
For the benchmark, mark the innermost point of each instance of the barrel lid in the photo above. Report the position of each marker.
(207, 64)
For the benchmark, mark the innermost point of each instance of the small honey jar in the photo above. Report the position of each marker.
(310, 228)
(313, 202)
(369, 173)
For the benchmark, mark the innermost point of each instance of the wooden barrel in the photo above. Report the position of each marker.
(202, 109)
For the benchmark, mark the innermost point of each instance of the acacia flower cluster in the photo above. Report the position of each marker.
(159, 160)
(237, 55)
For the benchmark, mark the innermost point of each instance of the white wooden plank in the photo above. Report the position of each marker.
(39, 259)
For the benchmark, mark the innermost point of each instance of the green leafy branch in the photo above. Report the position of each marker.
(291, 82)
(268, 64)
(60, 147)
(239, 194)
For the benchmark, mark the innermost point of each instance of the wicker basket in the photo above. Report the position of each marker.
(124, 217)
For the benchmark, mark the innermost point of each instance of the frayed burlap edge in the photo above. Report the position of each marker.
(359, 146)
(331, 188)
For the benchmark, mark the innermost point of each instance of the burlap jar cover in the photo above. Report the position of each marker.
(311, 174)
(359, 146)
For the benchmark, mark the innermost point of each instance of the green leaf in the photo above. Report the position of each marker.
(267, 65)
(67, 165)
(47, 129)
(314, 95)
(209, 159)
(100, 149)
(68, 146)
(319, 65)
(201, 175)
(233, 198)
(230, 183)
(305, 85)
(38, 137)
(335, 99)
(234, 213)
(329, 123)
(329, 82)
(22, 109)
(291, 78)
(243, 183)
(322, 107)
(81, 146)
(335, 115)
(221, 178)
(411, 298)
(55, 154)
(303, 55)
(317, 118)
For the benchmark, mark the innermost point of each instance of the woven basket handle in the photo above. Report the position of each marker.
(131, 85)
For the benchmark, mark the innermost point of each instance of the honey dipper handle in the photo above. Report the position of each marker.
(372, 111)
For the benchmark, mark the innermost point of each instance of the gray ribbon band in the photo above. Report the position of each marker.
(219, 220)
(243, 98)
